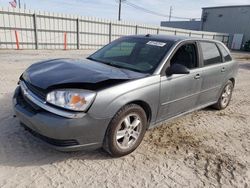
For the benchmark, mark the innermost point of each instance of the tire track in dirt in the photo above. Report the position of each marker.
(207, 148)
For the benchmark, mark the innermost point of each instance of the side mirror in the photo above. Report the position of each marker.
(177, 69)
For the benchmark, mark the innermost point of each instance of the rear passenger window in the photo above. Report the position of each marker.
(224, 53)
(211, 54)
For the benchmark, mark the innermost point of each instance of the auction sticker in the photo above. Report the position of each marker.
(156, 43)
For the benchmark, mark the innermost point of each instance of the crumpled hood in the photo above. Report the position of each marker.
(49, 73)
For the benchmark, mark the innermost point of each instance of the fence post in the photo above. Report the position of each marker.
(158, 30)
(110, 32)
(77, 34)
(202, 35)
(175, 32)
(17, 41)
(35, 31)
(213, 36)
(65, 41)
(190, 34)
(227, 43)
(223, 38)
(136, 29)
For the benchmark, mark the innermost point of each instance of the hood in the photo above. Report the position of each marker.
(60, 72)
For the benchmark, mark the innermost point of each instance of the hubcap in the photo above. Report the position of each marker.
(225, 97)
(128, 132)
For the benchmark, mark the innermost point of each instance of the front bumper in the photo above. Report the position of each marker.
(62, 133)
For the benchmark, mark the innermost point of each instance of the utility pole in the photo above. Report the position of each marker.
(19, 3)
(119, 13)
(170, 13)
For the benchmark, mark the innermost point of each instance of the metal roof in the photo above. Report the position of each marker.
(229, 6)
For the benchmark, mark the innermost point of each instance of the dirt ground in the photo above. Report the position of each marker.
(206, 148)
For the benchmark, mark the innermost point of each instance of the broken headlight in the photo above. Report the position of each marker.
(71, 99)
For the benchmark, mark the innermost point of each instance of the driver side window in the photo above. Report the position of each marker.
(186, 55)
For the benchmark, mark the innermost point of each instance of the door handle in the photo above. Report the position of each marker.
(223, 69)
(197, 76)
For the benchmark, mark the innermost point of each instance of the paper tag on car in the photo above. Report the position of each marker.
(156, 43)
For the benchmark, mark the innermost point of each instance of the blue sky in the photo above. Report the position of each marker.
(109, 8)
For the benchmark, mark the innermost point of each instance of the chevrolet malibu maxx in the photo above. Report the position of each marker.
(113, 96)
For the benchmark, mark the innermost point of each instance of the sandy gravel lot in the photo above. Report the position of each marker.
(206, 148)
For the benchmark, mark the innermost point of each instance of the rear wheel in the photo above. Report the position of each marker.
(125, 131)
(225, 96)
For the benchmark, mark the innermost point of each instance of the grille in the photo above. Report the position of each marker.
(27, 105)
(37, 91)
(52, 141)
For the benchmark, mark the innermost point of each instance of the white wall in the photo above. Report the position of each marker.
(93, 32)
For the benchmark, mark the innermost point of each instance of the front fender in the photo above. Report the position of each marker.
(110, 100)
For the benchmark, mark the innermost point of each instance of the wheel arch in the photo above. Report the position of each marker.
(232, 80)
(145, 106)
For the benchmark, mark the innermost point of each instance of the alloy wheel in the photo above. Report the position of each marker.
(226, 95)
(128, 131)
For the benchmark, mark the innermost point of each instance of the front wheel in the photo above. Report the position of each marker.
(126, 131)
(225, 96)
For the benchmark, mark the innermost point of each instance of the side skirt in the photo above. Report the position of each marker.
(158, 123)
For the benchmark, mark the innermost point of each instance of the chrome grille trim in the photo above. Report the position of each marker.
(43, 104)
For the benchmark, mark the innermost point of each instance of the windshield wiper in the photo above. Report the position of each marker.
(113, 65)
(122, 67)
(91, 58)
(104, 62)
(99, 61)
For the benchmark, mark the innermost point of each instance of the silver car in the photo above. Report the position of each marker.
(111, 98)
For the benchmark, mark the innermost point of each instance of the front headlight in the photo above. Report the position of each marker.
(71, 99)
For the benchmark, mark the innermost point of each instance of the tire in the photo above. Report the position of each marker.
(225, 96)
(126, 131)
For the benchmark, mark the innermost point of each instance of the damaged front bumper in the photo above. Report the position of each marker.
(62, 133)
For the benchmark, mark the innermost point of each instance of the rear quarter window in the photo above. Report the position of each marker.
(224, 52)
(211, 54)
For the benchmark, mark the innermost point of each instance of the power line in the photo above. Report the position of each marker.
(153, 12)
(131, 5)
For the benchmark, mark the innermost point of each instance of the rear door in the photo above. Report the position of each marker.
(179, 92)
(213, 72)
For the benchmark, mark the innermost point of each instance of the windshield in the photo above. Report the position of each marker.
(137, 54)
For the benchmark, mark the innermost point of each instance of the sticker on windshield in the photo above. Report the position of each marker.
(156, 43)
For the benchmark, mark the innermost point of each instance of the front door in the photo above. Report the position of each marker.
(180, 92)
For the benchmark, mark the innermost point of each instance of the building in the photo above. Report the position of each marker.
(234, 20)
(192, 24)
